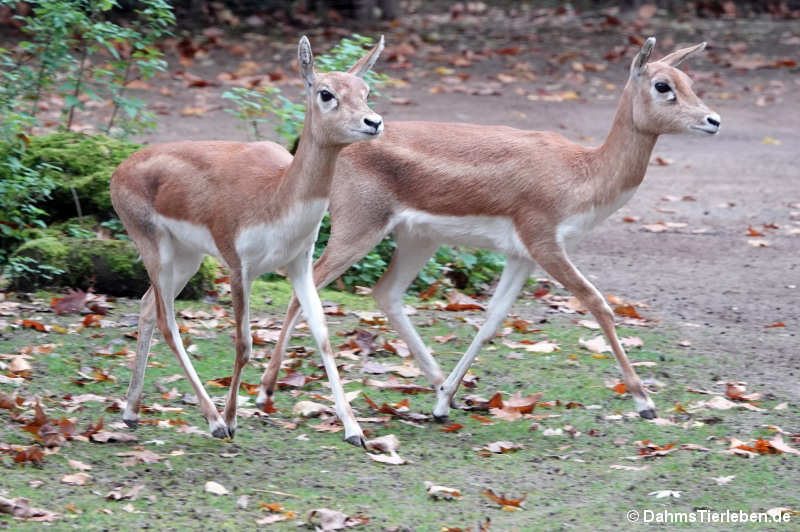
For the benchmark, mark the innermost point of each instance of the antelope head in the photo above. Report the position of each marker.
(663, 99)
(336, 102)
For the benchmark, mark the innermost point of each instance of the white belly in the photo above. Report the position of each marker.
(494, 233)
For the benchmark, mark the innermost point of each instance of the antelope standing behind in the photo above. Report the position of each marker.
(527, 194)
(255, 208)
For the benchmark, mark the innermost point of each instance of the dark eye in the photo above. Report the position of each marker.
(662, 87)
(325, 95)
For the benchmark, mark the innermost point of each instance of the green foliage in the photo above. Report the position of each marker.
(77, 165)
(73, 52)
(39, 183)
(267, 104)
(109, 266)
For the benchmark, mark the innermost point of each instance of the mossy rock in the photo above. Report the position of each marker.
(108, 266)
(82, 162)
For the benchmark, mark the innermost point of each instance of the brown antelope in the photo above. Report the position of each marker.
(527, 194)
(255, 208)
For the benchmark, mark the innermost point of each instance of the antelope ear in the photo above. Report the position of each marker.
(679, 56)
(363, 65)
(639, 63)
(305, 61)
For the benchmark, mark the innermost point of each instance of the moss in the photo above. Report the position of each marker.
(108, 266)
(50, 251)
(82, 162)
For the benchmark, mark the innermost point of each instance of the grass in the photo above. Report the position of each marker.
(567, 481)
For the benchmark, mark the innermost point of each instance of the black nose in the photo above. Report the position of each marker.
(375, 124)
(712, 121)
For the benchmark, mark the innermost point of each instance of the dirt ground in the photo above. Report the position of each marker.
(705, 279)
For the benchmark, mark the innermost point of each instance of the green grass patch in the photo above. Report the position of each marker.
(567, 481)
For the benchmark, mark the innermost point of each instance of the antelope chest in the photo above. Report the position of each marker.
(571, 229)
(495, 233)
(268, 246)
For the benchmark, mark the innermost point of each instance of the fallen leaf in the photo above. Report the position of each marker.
(502, 500)
(660, 494)
(216, 488)
(327, 519)
(311, 409)
(20, 509)
(597, 344)
(77, 479)
(459, 302)
(500, 447)
(80, 466)
(629, 467)
(736, 392)
(441, 492)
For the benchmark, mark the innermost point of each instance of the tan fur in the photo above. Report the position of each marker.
(538, 180)
(183, 199)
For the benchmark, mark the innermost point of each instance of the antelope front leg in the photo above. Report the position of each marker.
(147, 322)
(557, 264)
(514, 276)
(270, 375)
(303, 284)
(240, 294)
(409, 257)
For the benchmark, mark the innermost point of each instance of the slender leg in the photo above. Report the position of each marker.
(410, 256)
(147, 322)
(182, 271)
(514, 276)
(303, 284)
(347, 245)
(240, 293)
(165, 285)
(557, 264)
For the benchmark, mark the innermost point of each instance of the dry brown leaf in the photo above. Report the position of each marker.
(327, 519)
(215, 488)
(501, 447)
(441, 492)
(77, 479)
(80, 466)
(20, 509)
(597, 344)
(502, 500)
(311, 409)
(629, 467)
(459, 302)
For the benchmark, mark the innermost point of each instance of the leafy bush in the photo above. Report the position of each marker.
(72, 51)
(109, 266)
(47, 181)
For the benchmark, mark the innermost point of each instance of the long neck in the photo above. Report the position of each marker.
(623, 158)
(311, 172)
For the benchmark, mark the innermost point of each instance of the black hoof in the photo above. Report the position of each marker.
(441, 419)
(222, 433)
(133, 424)
(357, 440)
(650, 413)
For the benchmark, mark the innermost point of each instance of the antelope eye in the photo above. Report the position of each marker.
(662, 87)
(326, 96)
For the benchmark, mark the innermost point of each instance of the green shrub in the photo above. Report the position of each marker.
(108, 266)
